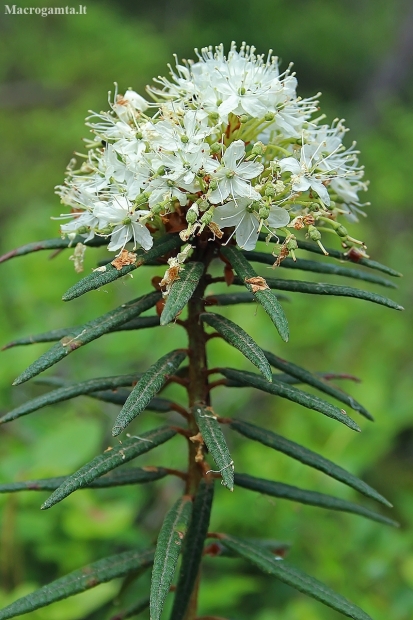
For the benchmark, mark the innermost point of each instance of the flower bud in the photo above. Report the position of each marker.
(313, 233)
(160, 171)
(207, 216)
(213, 184)
(292, 244)
(269, 191)
(192, 214)
(244, 118)
(214, 116)
(216, 148)
(341, 231)
(264, 213)
(258, 149)
(203, 204)
(269, 116)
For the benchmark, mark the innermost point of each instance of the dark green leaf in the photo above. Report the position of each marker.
(149, 384)
(239, 339)
(231, 299)
(193, 548)
(181, 291)
(215, 442)
(277, 547)
(133, 475)
(80, 580)
(70, 391)
(313, 247)
(167, 553)
(108, 273)
(88, 332)
(318, 267)
(52, 244)
(264, 296)
(279, 388)
(300, 453)
(307, 377)
(303, 496)
(267, 562)
(320, 288)
(133, 610)
(110, 459)
(56, 334)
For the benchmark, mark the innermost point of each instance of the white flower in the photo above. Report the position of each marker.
(120, 213)
(303, 176)
(243, 216)
(232, 174)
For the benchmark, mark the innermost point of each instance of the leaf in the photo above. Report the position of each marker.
(52, 244)
(133, 610)
(307, 377)
(97, 279)
(318, 267)
(67, 392)
(79, 580)
(276, 547)
(349, 257)
(231, 299)
(239, 339)
(320, 288)
(149, 384)
(181, 291)
(193, 548)
(278, 388)
(110, 459)
(265, 297)
(133, 475)
(303, 496)
(88, 332)
(268, 563)
(57, 334)
(215, 442)
(167, 553)
(308, 457)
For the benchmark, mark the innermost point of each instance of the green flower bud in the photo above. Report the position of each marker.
(244, 118)
(203, 204)
(313, 233)
(207, 216)
(216, 147)
(192, 214)
(269, 191)
(258, 149)
(214, 116)
(264, 213)
(213, 184)
(82, 230)
(160, 171)
(126, 221)
(269, 116)
(292, 244)
(341, 231)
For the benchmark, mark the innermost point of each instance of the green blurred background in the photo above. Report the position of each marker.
(359, 53)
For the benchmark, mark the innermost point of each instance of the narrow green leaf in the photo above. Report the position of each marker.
(181, 291)
(79, 580)
(320, 288)
(67, 392)
(167, 553)
(88, 332)
(149, 384)
(303, 496)
(239, 339)
(265, 297)
(231, 299)
(277, 388)
(308, 457)
(268, 563)
(108, 273)
(276, 547)
(193, 548)
(215, 442)
(119, 397)
(313, 247)
(57, 334)
(133, 610)
(110, 459)
(307, 377)
(318, 267)
(133, 475)
(52, 244)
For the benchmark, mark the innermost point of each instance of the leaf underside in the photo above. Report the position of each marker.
(181, 291)
(267, 562)
(80, 580)
(167, 552)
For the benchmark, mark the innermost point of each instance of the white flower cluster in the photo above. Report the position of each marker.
(225, 148)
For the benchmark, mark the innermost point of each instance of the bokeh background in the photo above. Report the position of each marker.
(52, 71)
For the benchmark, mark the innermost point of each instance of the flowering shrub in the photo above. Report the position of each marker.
(228, 159)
